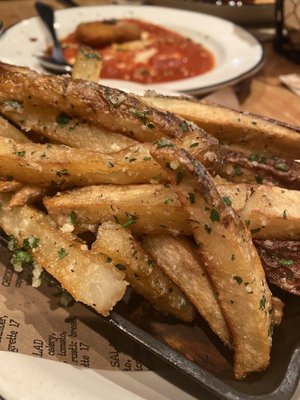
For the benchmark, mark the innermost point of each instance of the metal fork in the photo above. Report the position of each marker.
(56, 61)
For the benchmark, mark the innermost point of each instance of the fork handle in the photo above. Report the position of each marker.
(47, 14)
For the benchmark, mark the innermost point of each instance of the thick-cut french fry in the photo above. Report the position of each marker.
(269, 212)
(59, 127)
(9, 131)
(87, 64)
(179, 259)
(58, 165)
(145, 277)
(26, 195)
(87, 278)
(249, 131)
(256, 168)
(101, 106)
(148, 208)
(229, 257)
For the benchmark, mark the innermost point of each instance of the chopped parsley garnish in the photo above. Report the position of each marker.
(255, 230)
(262, 303)
(20, 153)
(194, 144)
(110, 164)
(142, 115)
(253, 157)
(147, 158)
(73, 217)
(259, 179)
(284, 214)
(12, 244)
(109, 259)
(31, 243)
(16, 105)
(168, 201)
(226, 201)
(183, 126)
(207, 228)
(233, 257)
(214, 215)
(282, 167)
(192, 197)
(131, 219)
(247, 222)
(132, 160)
(285, 261)
(89, 55)
(21, 256)
(62, 172)
(63, 119)
(237, 170)
(62, 253)
(163, 142)
(121, 267)
(238, 279)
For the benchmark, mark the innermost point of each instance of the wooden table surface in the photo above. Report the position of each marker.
(262, 94)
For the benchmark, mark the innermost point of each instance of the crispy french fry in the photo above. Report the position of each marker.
(150, 208)
(59, 127)
(269, 212)
(229, 257)
(87, 278)
(26, 195)
(256, 168)
(145, 277)
(61, 166)
(87, 64)
(251, 132)
(9, 131)
(179, 259)
(101, 106)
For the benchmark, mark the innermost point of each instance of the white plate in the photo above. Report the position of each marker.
(237, 53)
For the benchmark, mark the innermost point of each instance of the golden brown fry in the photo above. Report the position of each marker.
(269, 212)
(248, 131)
(61, 166)
(59, 127)
(229, 257)
(54, 165)
(26, 195)
(180, 261)
(9, 131)
(101, 106)
(87, 66)
(141, 272)
(87, 278)
(151, 208)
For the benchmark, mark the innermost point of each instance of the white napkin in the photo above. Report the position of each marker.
(292, 81)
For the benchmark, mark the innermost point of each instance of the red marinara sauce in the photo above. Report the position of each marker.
(161, 56)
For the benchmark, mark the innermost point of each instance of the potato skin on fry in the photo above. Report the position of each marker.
(99, 105)
(179, 259)
(229, 258)
(269, 212)
(101, 33)
(251, 132)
